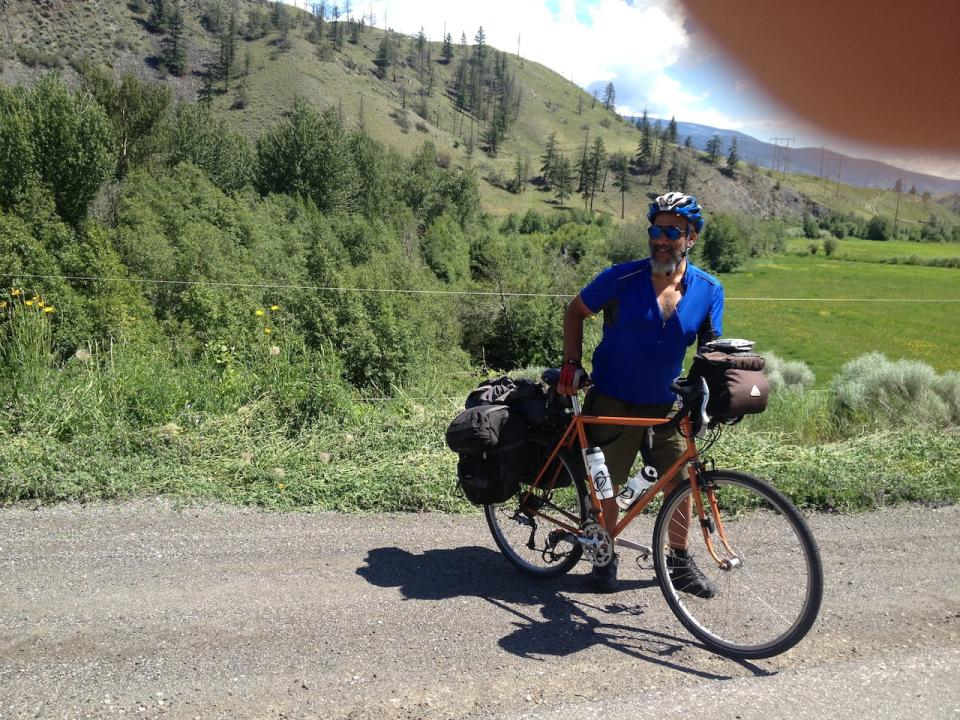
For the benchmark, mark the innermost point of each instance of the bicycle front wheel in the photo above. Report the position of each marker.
(768, 593)
(535, 528)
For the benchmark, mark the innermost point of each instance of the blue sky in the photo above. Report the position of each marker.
(645, 47)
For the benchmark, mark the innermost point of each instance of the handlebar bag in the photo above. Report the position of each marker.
(736, 381)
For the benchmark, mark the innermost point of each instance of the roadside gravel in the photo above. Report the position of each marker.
(147, 609)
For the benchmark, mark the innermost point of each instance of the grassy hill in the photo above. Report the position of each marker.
(275, 72)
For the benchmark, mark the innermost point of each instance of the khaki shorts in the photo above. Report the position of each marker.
(621, 444)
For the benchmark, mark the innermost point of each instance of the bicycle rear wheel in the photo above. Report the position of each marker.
(768, 601)
(533, 528)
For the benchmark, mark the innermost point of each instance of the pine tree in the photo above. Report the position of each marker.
(621, 178)
(228, 49)
(688, 143)
(446, 52)
(595, 164)
(714, 147)
(158, 15)
(672, 131)
(673, 174)
(562, 179)
(548, 159)
(733, 157)
(172, 52)
(609, 96)
(384, 57)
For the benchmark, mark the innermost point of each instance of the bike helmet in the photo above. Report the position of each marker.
(677, 202)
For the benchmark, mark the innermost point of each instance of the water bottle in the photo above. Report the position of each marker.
(637, 486)
(598, 471)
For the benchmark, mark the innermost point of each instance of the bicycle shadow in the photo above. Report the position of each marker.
(567, 625)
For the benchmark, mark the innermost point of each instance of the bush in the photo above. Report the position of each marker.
(879, 228)
(722, 247)
(787, 374)
(872, 390)
(830, 245)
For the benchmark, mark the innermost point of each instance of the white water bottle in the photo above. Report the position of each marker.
(637, 486)
(598, 471)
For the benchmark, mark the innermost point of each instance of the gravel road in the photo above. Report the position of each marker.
(149, 610)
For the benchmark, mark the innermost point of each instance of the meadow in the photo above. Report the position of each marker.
(825, 312)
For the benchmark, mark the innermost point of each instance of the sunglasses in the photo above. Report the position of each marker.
(671, 231)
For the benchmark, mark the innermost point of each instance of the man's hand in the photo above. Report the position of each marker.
(571, 375)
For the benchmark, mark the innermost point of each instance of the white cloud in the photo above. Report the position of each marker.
(941, 166)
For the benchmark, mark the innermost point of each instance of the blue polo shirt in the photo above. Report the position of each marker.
(640, 354)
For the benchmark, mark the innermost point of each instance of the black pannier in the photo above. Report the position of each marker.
(491, 441)
(500, 437)
(736, 381)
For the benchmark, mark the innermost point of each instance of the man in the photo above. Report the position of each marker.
(653, 309)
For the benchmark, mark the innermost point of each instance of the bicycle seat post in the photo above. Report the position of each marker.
(575, 401)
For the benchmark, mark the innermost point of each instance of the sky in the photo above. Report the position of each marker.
(645, 48)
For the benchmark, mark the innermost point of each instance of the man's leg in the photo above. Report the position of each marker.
(684, 573)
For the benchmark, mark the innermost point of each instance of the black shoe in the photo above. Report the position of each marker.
(604, 579)
(686, 576)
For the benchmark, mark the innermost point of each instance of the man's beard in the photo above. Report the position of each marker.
(665, 267)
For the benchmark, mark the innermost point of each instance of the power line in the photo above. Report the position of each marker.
(418, 291)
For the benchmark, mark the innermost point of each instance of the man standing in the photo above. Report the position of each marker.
(653, 310)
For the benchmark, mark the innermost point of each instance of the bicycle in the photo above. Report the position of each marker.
(756, 548)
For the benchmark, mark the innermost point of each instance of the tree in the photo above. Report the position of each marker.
(596, 161)
(548, 159)
(673, 174)
(672, 131)
(688, 143)
(714, 147)
(16, 148)
(191, 134)
(228, 50)
(73, 145)
(722, 247)
(134, 107)
(446, 52)
(621, 178)
(733, 157)
(158, 15)
(172, 52)
(308, 153)
(384, 58)
(562, 179)
(609, 96)
(811, 230)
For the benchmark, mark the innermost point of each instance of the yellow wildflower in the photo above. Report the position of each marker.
(259, 312)
(48, 309)
(280, 487)
(15, 292)
(28, 303)
(40, 303)
(267, 331)
(274, 308)
(3, 303)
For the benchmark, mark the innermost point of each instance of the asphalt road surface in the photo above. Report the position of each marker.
(148, 610)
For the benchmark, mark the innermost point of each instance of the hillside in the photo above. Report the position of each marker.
(273, 72)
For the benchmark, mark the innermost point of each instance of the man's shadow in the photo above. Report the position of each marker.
(565, 625)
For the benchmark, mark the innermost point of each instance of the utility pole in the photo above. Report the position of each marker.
(785, 155)
(821, 162)
(839, 167)
(896, 213)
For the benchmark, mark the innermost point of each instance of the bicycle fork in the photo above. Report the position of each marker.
(732, 559)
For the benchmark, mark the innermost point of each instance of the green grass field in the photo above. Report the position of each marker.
(878, 251)
(826, 312)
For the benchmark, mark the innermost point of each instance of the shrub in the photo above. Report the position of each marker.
(722, 247)
(830, 245)
(872, 390)
(787, 374)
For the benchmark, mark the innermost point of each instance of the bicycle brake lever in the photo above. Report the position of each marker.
(703, 421)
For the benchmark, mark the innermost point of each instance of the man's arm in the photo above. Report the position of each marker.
(573, 318)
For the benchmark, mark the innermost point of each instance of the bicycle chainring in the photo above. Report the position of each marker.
(599, 545)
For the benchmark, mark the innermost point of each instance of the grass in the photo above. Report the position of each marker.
(819, 310)
(875, 251)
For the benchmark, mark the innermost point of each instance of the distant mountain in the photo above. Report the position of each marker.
(811, 161)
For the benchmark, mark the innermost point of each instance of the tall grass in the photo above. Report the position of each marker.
(282, 430)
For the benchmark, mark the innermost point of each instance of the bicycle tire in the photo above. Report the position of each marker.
(769, 603)
(523, 537)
